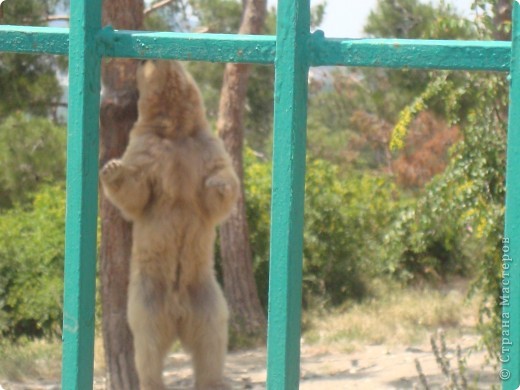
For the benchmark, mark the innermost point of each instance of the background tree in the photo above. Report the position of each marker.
(247, 317)
(32, 153)
(118, 114)
(258, 103)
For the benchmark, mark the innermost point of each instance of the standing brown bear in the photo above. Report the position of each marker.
(175, 182)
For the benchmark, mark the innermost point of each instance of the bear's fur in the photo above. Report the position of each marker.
(175, 182)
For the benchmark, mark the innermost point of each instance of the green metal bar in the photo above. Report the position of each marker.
(82, 183)
(390, 53)
(411, 53)
(34, 40)
(142, 44)
(189, 47)
(285, 280)
(510, 349)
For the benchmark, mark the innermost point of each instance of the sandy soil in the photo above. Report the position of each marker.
(371, 367)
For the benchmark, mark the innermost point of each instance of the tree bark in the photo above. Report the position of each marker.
(247, 317)
(118, 114)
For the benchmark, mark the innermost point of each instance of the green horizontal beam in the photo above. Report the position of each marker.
(411, 53)
(188, 46)
(389, 53)
(34, 40)
(142, 44)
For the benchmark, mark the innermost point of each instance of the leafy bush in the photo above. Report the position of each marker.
(31, 265)
(345, 219)
(32, 152)
(456, 224)
(344, 225)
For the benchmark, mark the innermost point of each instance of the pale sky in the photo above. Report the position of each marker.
(346, 18)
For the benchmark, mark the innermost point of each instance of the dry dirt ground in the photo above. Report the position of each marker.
(327, 366)
(371, 367)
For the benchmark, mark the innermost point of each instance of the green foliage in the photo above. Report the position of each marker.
(28, 12)
(155, 22)
(345, 219)
(32, 152)
(381, 97)
(218, 16)
(416, 19)
(260, 108)
(32, 157)
(31, 265)
(28, 82)
(413, 19)
(172, 16)
(30, 359)
(317, 14)
(410, 112)
(456, 223)
(344, 225)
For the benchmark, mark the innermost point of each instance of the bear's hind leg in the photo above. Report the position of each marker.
(205, 335)
(153, 334)
(149, 360)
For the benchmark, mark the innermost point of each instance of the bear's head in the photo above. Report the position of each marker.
(170, 102)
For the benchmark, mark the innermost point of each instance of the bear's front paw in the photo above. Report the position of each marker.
(222, 186)
(111, 170)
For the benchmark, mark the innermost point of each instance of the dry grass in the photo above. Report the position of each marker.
(38, 360)
(394, 316)
(35, 360)
(99, 356)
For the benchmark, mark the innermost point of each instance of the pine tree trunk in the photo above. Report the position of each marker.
(118, 114)
(247, 317)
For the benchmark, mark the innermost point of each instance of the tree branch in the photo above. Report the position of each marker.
(158, 5)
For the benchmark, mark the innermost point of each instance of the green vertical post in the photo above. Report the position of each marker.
(292, 66)
(510, 299)
(82, 183)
